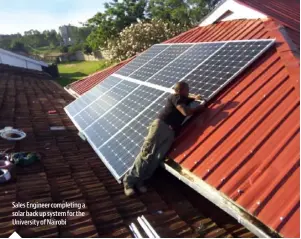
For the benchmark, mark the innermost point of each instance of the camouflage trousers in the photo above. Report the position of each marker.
(157, 143)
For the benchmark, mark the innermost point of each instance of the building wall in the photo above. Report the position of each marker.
(96, 56)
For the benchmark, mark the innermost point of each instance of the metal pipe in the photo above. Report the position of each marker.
(145, 228)
(135, 230)
(150, 227)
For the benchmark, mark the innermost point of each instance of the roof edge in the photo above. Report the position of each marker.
(219, 199)
(71, 92)
(287, 51)
(42, 63)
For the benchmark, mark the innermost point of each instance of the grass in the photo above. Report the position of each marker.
(45, 50)
(73, 71)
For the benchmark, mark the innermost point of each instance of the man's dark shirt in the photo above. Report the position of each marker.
(170, 114)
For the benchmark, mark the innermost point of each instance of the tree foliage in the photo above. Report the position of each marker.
(140, 36)
(18, 46)
(184, 12)
(117, 16)
(31, 39)
(120, 14)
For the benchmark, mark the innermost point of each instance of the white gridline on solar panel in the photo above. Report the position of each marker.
(116, 101)
(134, 140)
(144, 83)
(94, 92)
(209, 71)
(270, 42)
(104, 159)
(140, 60)
(190, 59)
(118, 118)
(160, 61)
(103, 86)
(109, 87)
(142, 112)
(100, 104)
(198, 64)
(158, 86)
(148, 115)
(125, 112)
(74, 107)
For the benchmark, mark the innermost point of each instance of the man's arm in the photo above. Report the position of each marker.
(187, 111)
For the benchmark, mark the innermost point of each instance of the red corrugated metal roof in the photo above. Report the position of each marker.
(247, 143)
(286, 12)
(90, 81)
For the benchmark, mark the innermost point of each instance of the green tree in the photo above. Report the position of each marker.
(117, 16)
(140, 36)
(18, 46)
(169, 10)
(184, 12)
(63, 49)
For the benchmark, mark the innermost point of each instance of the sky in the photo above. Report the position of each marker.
(18, 16)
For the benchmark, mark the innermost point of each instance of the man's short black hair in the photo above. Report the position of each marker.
(180, 85)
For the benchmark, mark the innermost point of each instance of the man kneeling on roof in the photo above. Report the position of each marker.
(160, 137)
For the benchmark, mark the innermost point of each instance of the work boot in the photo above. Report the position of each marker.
(142, 189)
(128, 191)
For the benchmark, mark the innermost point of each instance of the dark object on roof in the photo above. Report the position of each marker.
(52, 70)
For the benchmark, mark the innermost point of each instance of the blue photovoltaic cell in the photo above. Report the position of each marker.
(160, 61)
(220, 68)
(79, 104)
(123, 148)
(185, 63)
(122, 113)
(140, 60)
(104, 103)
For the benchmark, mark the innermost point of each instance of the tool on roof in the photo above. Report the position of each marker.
(148, 230)
(5, 175)
(135, 230)
(9, 133)
(7, 165)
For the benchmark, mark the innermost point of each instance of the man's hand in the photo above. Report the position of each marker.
(196, 97)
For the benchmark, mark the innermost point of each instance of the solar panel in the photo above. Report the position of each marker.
(91, 95)
(122, 149)
(141, 59)
(185, 63)
(102, 104)
(122, 113)
(221, 67)
(115, 114)
(159, 62)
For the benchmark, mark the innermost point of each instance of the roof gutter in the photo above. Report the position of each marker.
(220, 200)
(72, 92)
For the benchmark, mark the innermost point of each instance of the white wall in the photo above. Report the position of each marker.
(12, 59)
(238, 11)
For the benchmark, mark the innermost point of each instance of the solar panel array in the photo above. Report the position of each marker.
(115, 114)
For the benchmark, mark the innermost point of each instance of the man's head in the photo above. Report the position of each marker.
(182, 88)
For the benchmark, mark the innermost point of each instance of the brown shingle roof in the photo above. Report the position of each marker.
(71, 171)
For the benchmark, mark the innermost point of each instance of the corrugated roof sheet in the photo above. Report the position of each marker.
(90, 81)
(71, 171)
(286, 12)
(247, 143)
